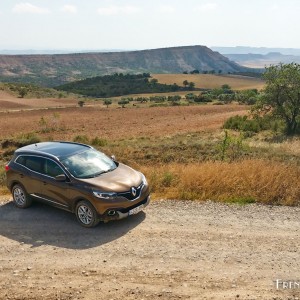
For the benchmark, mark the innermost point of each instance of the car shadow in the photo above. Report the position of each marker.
(45, 225)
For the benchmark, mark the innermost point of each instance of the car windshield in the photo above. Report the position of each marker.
(90, 163)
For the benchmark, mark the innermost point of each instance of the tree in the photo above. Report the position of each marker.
(81, 103)
(23, 92)
(185, 83)
(107, 102)
(281, 96)
(191, 85)
(123, 102)
(153, 81)
(248, 97)
(226, 86)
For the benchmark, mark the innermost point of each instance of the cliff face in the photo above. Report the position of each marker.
(51, 70)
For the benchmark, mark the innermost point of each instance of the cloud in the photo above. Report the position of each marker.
(70, 9)
(207, 7)
(118, 10)
(22, 8)
(166, 9)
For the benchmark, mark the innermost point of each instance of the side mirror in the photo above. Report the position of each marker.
(113, 158)
(61, 178)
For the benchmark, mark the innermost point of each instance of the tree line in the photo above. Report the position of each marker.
(120, 84)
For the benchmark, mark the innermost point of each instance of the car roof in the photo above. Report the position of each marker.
(57, 149)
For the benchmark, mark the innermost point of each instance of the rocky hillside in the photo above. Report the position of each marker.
(53, 70)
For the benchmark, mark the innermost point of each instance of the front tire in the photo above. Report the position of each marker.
(20, 197)
(86, 214)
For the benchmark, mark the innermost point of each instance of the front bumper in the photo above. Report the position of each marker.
(121, 213)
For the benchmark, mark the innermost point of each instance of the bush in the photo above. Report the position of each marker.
(99, 142)
(243, 123)
(81, 103)
(82, 139)
(123, 102)
(27, 139)
(248, 97)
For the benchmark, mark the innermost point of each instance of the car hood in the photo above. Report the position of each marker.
(119, 180)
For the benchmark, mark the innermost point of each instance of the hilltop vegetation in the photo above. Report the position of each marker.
(119, 85)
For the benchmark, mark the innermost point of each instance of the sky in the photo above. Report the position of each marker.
(140, 24)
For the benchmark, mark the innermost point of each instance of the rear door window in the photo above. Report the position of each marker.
(33, 163)
(52, 169)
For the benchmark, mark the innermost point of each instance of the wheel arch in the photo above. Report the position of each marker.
(15, 182)
(77, 200)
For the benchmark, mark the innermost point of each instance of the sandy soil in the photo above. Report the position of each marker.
(118, 123)
(173, 250)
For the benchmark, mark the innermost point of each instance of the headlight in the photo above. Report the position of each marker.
(144, 180)
(104, 195)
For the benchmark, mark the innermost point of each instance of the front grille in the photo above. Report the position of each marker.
(129, 195)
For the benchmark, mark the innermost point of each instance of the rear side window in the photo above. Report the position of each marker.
(34, 163)
(31, 162)
(21, 160)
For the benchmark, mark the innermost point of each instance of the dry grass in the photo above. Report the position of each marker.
(289, 146)
(209, 81)
(112, 123)
(245, 181)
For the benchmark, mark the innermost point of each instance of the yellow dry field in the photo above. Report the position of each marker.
(9, 102)
(209, 81)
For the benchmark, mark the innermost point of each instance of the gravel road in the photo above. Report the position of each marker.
(173, 250)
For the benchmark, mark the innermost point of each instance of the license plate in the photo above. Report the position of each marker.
(136, 210)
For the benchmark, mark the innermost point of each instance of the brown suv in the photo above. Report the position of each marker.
(77, 178)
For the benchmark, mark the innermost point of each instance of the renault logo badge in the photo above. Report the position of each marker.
(133, 191)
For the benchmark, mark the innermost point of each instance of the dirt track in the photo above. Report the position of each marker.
(175, 250)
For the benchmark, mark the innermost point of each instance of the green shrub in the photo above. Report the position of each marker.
(167, 179)
(99, 142)
(243, 123)
(83, 139)
(27, 139)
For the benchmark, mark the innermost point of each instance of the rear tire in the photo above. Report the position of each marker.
(86, 214)
(20, 197)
